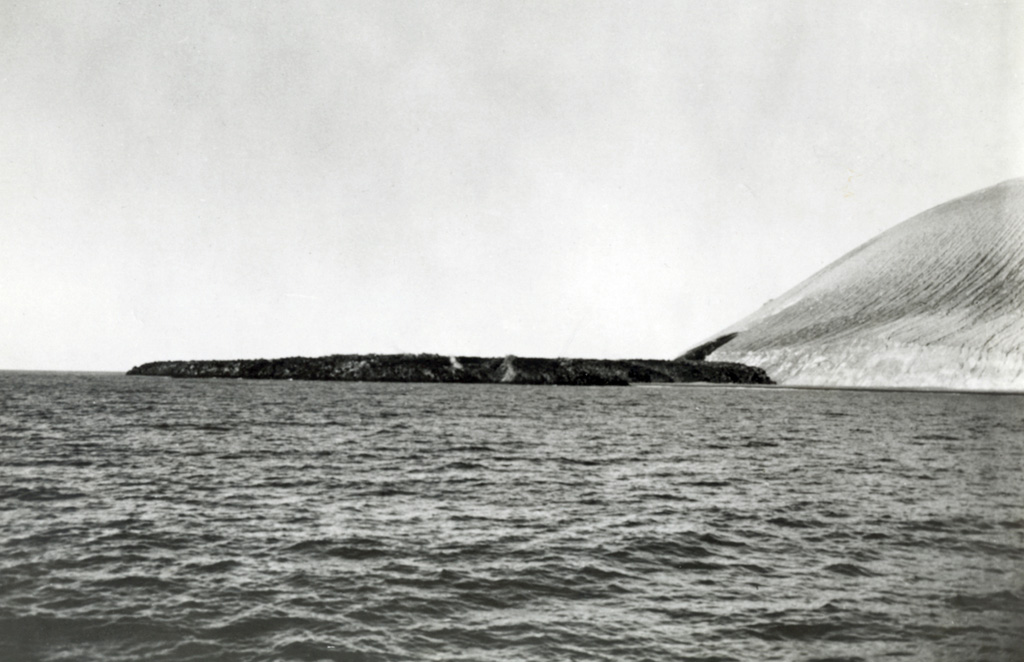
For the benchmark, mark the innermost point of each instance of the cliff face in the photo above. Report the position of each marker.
(465, 369)
(935, 302)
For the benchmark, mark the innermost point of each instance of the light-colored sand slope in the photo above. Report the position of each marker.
(935, 302)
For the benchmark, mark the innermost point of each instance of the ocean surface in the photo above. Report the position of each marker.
(147, 518)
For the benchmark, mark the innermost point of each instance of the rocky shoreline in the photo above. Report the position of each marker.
(462, 369)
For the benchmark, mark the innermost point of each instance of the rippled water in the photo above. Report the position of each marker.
(158, 519)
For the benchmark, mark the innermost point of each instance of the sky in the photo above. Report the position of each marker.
(604, 179)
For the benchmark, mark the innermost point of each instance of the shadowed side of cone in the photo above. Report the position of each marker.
(700, 352)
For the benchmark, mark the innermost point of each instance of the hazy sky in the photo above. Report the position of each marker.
(604, 179)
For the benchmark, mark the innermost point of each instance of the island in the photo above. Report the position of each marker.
(462, 369)
(935, 302)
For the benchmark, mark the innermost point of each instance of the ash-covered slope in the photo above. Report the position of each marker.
(935, 302)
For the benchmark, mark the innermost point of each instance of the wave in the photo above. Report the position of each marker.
(849, 570)
(39, 493)
(1007, 601)
(351, 548)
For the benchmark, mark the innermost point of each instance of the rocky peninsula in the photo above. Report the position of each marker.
(462, 369)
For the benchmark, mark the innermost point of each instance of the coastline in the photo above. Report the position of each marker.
(461, 369)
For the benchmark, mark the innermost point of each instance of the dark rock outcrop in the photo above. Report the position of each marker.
(700, 352)
(464, 369)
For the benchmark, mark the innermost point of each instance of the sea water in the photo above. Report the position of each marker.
(155, 519)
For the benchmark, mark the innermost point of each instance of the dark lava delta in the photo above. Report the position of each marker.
(462, 369)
